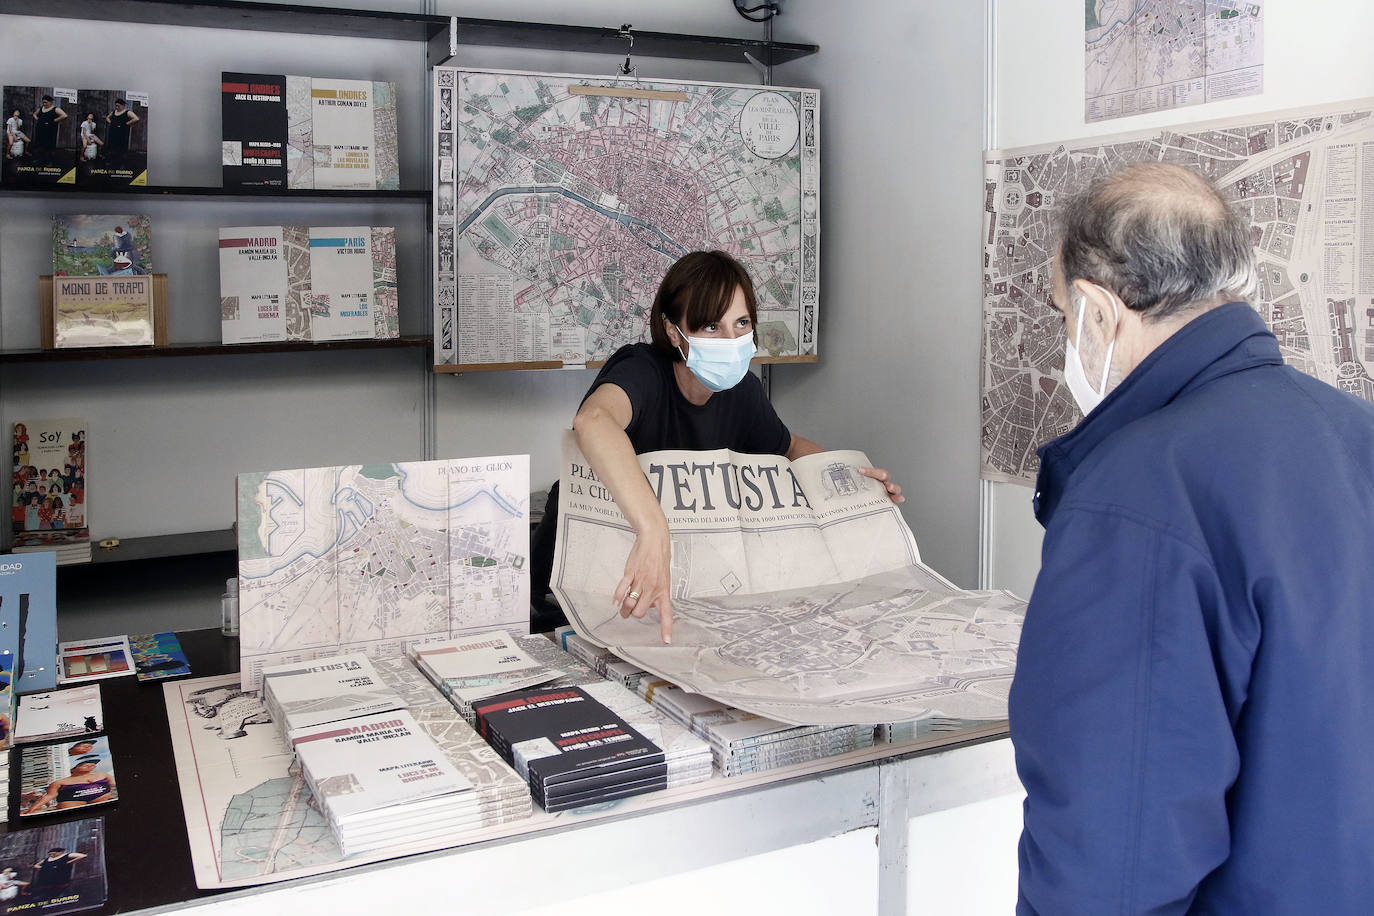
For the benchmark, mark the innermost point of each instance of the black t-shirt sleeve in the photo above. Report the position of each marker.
(763, 433)
(635, 373)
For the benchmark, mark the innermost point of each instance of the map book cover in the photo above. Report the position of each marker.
(341, 283)
(85, 660)
(253, 130)
(308, 694)
(556, 735)
(373, 762)
(475, 667)
(255, 283)
(60, 714)
(49, 496)
(60, 777)
(28, 609)
(111, 138)
(40, 135)
(158, 656)
(54, 868)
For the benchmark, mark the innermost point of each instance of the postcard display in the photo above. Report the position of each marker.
(93, 137)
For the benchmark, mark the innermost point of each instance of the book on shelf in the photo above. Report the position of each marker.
(307, 283)
(48, 504)
(28, 620)
(111, 138)
(54, 868)
(59, 714)
(286, 131)
(304, 695)
(102, 280)
(40, 135)
(58, 777)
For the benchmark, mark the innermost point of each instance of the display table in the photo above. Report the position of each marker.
(148, 855)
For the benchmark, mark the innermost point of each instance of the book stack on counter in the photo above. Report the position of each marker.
(376, 776)
(502, 795)
(915, 729)
(601, 660)
(475, 667)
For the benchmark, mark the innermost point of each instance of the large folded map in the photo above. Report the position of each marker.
(797, 592)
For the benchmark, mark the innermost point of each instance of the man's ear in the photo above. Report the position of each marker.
(1103, 308)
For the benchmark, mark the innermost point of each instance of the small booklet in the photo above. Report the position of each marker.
(158, 656)
(60, 714)
(93, 659)
(306, 694)
(54, 868)
(58, 777)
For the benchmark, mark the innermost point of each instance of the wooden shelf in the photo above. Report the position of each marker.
(204, 349)
(44, 190)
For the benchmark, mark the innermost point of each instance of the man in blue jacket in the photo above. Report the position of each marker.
(1193, 710)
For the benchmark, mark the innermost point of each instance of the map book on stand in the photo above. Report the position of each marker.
(102, 280)
(343, 302)
(60, 777)
(57, 868)
(28, 619)
(379, 558)
(40, 135)
(264, 272)
(48, 504)
(561, 201)
(284, 131)
(112, 138)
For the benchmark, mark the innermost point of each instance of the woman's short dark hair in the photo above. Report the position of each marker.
(697, 291)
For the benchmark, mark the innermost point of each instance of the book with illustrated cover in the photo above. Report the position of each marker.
(102, 280)
(111, 138)
(253, 130)
(54, 868)
(60, 777)
(60, 714)
(158, 656)
(40, 135)
(308, 694)
(48, 506)
(28, 620)
(85, 660)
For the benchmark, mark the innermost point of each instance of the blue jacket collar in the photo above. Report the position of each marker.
(1218, 342)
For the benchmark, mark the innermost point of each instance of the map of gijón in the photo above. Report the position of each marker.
(376, 558)
(561, 201)
(1305, 181)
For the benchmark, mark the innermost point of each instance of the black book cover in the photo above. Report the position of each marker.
(253, 129)
(553, 735)
(111, 138)
(55, 868)
(40, 135)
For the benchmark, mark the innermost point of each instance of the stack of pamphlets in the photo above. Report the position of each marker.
(55, 778)
(380, 780)
(5, 785)
(902, 732)
(158, 656)
(60, 714)
(309, 694)
(571, 748)
(476, 667)
(603, 661)
(502, 795)
(742, 742)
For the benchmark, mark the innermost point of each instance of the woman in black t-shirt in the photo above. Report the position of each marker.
(689, 388)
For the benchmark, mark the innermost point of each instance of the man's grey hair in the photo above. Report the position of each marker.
(1162, 237)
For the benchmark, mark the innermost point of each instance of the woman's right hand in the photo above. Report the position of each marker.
(648, 575)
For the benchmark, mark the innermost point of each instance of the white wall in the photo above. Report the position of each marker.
(902, 134)
(1315, 52)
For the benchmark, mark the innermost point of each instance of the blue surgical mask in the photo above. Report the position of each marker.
(719, 362)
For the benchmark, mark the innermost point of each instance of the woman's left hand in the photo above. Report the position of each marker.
(894, 492)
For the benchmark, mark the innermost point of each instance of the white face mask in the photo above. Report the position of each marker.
(1075, 375)
(718, 362)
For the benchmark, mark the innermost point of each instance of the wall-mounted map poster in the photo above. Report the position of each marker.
(561, 201)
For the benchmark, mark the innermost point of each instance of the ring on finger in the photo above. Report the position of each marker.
(632, 596)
